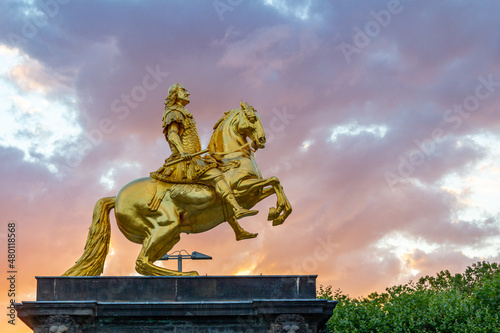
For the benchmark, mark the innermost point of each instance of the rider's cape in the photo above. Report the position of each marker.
(185, 171)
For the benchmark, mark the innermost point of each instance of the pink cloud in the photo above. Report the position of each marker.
(426, 60)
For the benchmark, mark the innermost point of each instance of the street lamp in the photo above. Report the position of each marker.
(179, 256)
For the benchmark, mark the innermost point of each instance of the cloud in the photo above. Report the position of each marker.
(81, 115)
(269, 51)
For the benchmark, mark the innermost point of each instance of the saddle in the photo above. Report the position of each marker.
(199, 193)
(203, 193)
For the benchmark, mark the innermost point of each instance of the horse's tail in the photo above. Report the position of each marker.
(91, 263)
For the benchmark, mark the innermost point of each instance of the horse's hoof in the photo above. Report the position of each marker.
(246, 235)
(278, 221)
(192, 273)
(273, 214)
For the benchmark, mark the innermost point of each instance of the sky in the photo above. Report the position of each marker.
(382, 121)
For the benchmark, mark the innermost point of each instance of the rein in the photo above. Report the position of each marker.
(204, 151)
(234, 150)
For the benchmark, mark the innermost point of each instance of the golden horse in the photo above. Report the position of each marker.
(185, 208)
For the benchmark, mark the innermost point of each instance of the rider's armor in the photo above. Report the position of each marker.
(185, 171)
(196, 169)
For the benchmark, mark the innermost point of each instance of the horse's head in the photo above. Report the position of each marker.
(250, 125)
(233, 129)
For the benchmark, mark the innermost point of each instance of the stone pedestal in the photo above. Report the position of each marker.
(246, 304)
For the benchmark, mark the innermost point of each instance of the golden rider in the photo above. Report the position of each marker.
(181, 133)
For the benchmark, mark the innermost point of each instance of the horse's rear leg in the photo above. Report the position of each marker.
(161, 240)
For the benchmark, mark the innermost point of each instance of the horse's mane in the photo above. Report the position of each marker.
(224, 117)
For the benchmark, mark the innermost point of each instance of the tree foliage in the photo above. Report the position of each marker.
(468, 302)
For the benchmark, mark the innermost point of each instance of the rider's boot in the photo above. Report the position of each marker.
(239, 212)
(224, 190)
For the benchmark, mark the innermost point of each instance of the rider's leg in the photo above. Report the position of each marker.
(216, 179)
(239, 232)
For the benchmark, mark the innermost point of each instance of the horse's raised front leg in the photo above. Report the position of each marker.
(274, 214)
(282, 204)
(287, 210)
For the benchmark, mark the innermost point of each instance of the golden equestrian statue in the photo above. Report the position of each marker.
(190, 193)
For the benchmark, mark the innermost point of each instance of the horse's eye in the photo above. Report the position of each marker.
(252, 119)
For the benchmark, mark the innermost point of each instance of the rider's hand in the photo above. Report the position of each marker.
(186, 156)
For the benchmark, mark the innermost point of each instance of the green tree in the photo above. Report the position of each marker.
(468, 302)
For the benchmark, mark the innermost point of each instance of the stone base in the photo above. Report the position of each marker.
(176, 304)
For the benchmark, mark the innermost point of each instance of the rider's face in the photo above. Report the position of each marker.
(183, 96)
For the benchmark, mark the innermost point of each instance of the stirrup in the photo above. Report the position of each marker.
(240, 213)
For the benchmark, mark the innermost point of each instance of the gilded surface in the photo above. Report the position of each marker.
(190, 193)
(185, 171)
